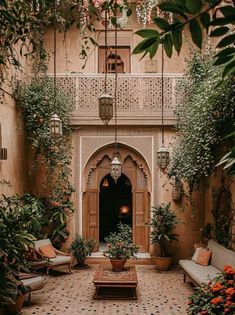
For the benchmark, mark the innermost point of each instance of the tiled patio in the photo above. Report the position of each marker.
(69, 294)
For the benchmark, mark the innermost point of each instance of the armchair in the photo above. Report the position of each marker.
(54, 257)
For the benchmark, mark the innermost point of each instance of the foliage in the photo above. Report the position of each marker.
(10, 286)
(163, 222)
(229, 158)
(205, 116)
(82, 248)
(119, 244)
(195, 15)
(216, 297)
(223, 214)
(16, 229)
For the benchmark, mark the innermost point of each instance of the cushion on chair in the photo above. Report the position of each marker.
(47, 250)
(203, 257)
(60, 260)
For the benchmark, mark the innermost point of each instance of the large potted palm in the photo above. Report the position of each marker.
(163, 223)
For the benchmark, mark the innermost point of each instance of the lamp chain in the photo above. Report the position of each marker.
(162, 98)
(115, 85)
(106, 51)
(55, 52)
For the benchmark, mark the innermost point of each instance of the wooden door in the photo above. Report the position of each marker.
(140, 217)
(91, 214)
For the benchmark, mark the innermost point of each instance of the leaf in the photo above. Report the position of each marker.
(227, 10)
(144, 45)
(153, 49)
(228, 40)
(219, 31)
(205, 20)
(222, 60)
(196, 32)
(163, 24)
(177, 40)
(194, 6)
(147, 33)
(168, 45)
(226, 51)
(223, 20)
(172, 7)
(229, 69)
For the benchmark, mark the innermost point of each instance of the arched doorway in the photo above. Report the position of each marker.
(115, 204)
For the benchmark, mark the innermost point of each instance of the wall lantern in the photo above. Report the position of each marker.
(105, 183)
(124, 209)
(3, 154)
(55, 125)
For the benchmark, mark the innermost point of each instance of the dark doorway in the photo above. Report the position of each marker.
(115, 204)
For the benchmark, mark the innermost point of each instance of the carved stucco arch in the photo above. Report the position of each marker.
(125, 152)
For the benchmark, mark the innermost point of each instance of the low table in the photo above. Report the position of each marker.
(115, 285)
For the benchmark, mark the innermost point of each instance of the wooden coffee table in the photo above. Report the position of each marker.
(115, 285)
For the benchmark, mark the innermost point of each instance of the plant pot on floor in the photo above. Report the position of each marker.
(14, 309)
(162, 263)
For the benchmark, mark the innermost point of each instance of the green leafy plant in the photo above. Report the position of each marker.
(119, 244)
(204, 117)
(163, 223)
(82, 248)
(229, 158)
(216, 297)
(196, 16)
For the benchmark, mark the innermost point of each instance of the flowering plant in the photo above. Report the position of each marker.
(216, 297)
(119, 244)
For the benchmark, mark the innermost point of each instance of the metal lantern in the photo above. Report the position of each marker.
(55, 126)
(116, 169)
(105, 108)
(3, 154)
(163, 157)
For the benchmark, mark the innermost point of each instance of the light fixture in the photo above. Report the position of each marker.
(124, 209)
(3, 154)
(55, 123)
(105, 183)
(116, 167)
(105, 100)
(163, 152)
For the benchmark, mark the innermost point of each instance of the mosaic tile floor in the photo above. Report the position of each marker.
(72, 294)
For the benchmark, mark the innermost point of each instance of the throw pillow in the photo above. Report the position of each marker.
(47, 250)
(203, 257)
(195, 255)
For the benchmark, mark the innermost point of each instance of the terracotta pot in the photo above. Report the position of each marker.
(162, 263)
(13, 309)
(118, 264)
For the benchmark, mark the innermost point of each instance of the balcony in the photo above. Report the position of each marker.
(138, 97)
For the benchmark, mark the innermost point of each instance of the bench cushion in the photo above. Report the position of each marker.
(198, 272)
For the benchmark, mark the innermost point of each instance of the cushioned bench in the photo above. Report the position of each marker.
(199, 274)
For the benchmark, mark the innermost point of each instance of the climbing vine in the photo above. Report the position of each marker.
(205, 116)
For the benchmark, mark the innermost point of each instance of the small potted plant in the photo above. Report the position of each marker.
(120, 247)
(163, 223)
(82, 248)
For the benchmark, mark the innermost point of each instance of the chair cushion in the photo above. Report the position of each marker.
(47, 250)
(35, 283)
(60, 260)
(203, 257)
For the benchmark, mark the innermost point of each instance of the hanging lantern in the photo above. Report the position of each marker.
(163, 157)
(116, 169)
(105, 108)
(105, 183)
(55, 125)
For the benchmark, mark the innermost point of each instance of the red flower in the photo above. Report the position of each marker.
(216, 300)
(229, 270)
(217, 287)
(226, 310)
(56, 204)
(204, 312)
(230, 281)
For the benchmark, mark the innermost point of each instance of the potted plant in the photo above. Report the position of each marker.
(12, 291)
(120, 247)
(163, 223)
(82, 248)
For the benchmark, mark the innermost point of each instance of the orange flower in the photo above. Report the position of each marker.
(217, 287)
(216, 300)
(229, 270)
(230, 281)
(228, 303)
(230, 291)
(226, 310)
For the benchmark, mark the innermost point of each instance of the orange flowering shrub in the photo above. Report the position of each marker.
(215, 297)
